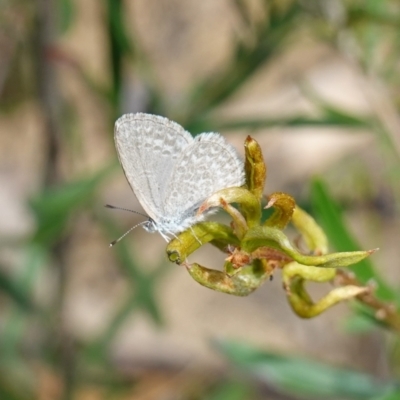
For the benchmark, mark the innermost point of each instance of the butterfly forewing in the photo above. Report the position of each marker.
(148, 148)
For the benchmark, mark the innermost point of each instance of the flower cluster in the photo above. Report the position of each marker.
(255, 249)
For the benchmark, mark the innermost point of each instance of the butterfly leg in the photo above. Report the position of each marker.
(195, 236)
(165, 237)
(176, 237)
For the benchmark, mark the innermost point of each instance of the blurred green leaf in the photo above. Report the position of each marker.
(10, 288)
(55, 205)
(374, 12)
(119, 45)
(232, 391)
(298, 376)
(13, 327)
(360, 323)
(368, 314)
(392, 395)
(340, 117)
(295, 121)
(330, 217)
(8, 392)
(66, 12)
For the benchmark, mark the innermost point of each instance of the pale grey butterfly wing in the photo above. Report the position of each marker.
(207, 165)
(148, 148)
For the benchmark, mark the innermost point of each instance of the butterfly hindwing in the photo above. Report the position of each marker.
(206, 166)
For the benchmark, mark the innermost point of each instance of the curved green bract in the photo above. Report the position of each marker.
(284, 206)
(311, 232)
(265, 236)
(249, 205)
(254, 167)
(190, 240)
(242, 283)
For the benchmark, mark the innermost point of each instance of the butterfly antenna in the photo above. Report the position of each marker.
(125, 209)
(131, 229)
(128, 231)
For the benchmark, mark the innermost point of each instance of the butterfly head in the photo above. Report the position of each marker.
(150, 225)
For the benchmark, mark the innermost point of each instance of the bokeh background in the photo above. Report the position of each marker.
(317, 83)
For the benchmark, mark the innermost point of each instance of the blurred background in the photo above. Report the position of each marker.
(316, 83)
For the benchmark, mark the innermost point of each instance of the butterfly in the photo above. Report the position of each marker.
(170, 172)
